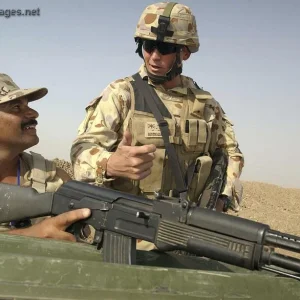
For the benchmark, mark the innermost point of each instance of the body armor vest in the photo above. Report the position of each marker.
(189, 125)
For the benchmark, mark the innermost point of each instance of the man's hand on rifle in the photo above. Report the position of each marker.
(133, 162)
(54, 228)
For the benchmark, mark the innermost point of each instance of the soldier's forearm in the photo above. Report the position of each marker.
(90, 164)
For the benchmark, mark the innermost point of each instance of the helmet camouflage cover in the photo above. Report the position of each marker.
(169, 22)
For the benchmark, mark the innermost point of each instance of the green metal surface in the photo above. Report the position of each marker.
(46, 269)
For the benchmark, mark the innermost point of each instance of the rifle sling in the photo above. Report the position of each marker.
(151, 99)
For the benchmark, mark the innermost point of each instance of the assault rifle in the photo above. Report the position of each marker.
(170, 223)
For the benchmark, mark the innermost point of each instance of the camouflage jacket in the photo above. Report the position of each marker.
(105, 121)
(35, 168)
(41, 174)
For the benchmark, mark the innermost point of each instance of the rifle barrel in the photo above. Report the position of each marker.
(282, 240)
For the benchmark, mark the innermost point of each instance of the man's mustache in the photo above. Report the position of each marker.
(30, 122)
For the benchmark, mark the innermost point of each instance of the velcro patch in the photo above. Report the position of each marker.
(152, 130)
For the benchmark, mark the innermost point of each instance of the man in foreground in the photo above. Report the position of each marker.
(17, 134)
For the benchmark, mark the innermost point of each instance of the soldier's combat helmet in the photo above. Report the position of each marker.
(168, 22)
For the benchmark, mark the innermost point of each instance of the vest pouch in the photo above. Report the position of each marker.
(202, 170)
(145, 130)
(154, 181)
(201, 98)
(194, 135)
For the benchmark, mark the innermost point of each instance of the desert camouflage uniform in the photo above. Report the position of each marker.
(108, 116)
(115, 110)
(39, 173)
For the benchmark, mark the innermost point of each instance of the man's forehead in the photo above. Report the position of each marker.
(13, 102)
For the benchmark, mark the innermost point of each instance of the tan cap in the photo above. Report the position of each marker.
(9, 91)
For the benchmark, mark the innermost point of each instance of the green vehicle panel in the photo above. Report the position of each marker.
(33, 268)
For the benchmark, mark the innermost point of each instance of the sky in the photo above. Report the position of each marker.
(248, 60)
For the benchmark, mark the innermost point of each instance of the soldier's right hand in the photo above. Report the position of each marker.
(133, 162)
(54, 228)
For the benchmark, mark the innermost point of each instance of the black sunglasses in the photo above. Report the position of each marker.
(162, 47)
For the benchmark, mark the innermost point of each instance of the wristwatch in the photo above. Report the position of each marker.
(101, 176)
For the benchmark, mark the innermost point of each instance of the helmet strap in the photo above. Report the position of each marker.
(161, 30)
(139, 49)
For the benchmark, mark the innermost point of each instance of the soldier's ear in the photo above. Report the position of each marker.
(185, 53)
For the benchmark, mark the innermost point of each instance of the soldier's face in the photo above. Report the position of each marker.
(159, 56)
(157, 63)
(17, 125)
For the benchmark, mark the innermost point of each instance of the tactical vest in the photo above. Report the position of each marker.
(189, 125)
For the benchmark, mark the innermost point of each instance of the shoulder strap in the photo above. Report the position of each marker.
(141, 104)
(39, 172)
(151, 98)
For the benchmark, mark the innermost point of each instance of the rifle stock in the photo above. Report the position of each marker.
(170, 223)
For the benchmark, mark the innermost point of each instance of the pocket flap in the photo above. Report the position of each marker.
(145, 130)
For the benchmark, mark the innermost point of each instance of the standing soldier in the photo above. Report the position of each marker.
(124, 142)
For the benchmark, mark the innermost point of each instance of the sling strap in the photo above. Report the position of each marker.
(152, 100)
